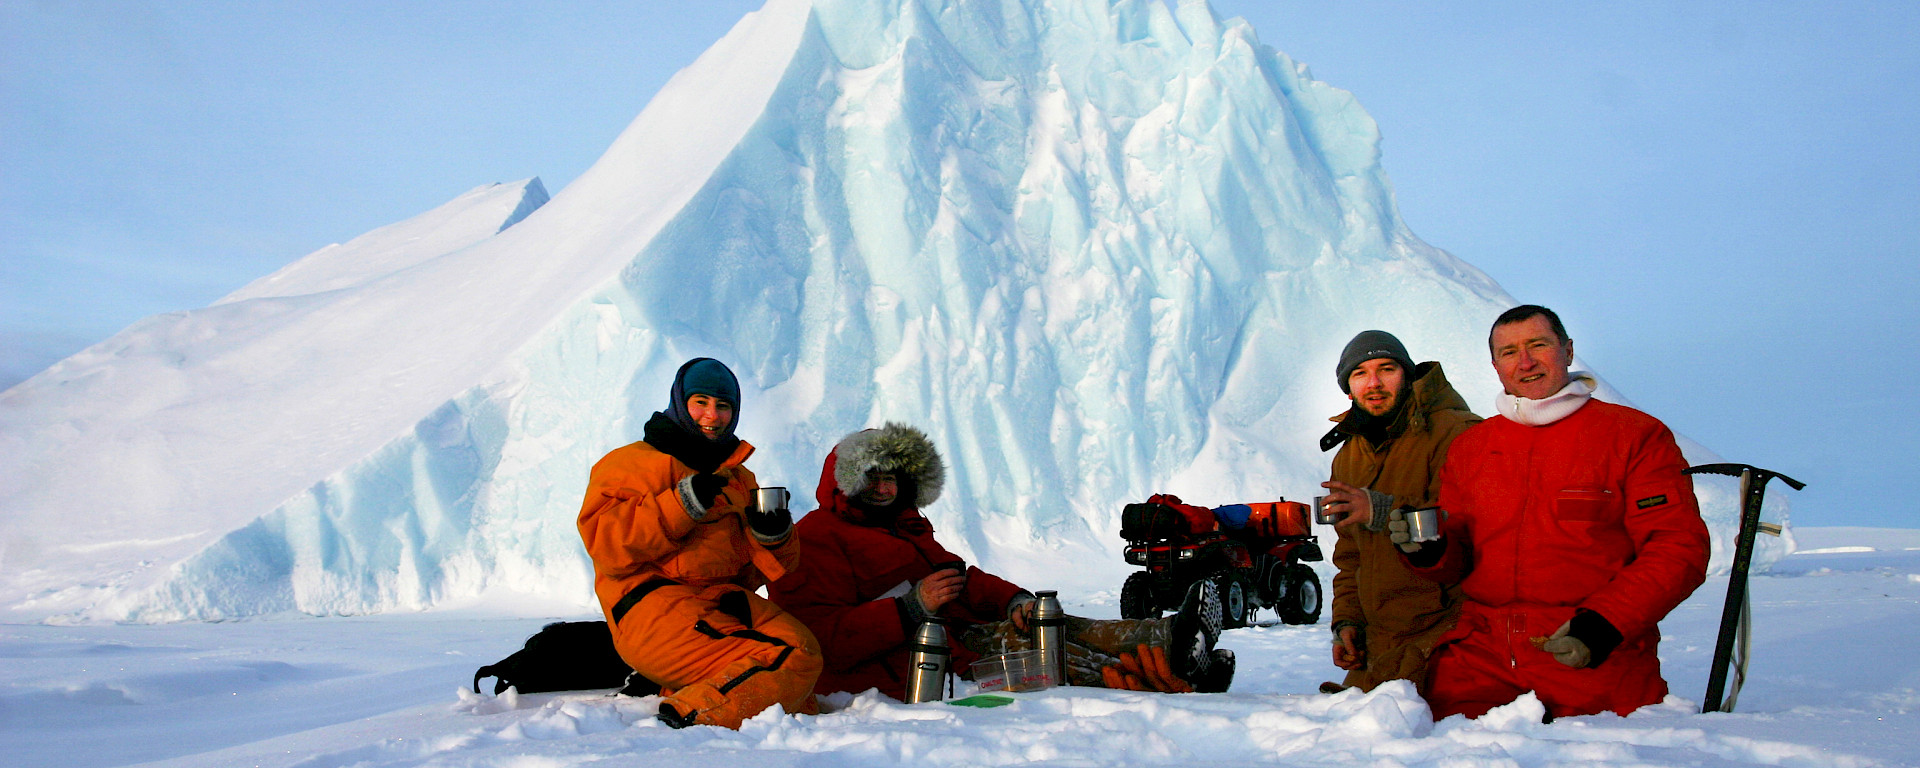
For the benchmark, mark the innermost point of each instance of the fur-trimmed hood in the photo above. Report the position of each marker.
(895, 448)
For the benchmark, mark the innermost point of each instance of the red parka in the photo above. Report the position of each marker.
(1588, 512)
(847, 593)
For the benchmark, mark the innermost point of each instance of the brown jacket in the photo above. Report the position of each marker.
(1401, 614)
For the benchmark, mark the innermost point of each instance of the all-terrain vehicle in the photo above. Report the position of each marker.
(1256, 555)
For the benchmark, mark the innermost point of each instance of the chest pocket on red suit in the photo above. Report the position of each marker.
(1584, 504)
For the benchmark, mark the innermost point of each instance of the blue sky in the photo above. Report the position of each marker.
(1719, 197)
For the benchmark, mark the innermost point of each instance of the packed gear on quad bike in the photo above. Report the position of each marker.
(1255, 555)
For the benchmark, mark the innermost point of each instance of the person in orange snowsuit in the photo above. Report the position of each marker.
(678, 548)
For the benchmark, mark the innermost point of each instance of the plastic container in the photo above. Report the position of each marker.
(1014, 672)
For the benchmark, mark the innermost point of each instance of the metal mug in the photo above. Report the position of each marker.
(1424, 524)
(953, 565)
(771, 499)
(1321, 514)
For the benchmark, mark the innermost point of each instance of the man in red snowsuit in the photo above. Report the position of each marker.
(1571, 532)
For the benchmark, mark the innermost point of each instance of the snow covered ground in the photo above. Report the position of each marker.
(1833, 684)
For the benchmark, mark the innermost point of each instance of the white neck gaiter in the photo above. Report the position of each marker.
(1559, 405)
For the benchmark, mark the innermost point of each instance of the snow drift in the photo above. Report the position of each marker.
(1095, 248)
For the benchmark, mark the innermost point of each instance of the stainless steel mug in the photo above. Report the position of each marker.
(771, 499)
(1321, 514)
(1424, 524)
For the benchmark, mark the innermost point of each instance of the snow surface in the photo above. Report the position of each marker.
(1096, 249)
(1830, 686)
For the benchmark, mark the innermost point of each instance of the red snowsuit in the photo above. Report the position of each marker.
(1588, 512)
(851, 565)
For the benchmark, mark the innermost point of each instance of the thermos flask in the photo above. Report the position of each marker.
(927, 680)
(1049, 634)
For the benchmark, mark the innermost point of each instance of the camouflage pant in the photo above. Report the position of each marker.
(1092, 645)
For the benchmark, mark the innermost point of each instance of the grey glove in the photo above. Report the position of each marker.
(1397, 532)
(1019, 599)
(913, 611)
(1567, 649)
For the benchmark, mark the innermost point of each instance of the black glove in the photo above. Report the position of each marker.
(1584, 641)
(769, 525)
(706, 486)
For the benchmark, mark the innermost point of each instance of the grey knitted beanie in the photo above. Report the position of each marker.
(1368, 346)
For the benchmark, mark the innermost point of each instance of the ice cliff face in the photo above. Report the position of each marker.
(1095, 248)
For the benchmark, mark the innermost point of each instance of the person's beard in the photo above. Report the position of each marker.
(1374, 428)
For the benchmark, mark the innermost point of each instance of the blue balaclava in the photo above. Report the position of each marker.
(703, 376)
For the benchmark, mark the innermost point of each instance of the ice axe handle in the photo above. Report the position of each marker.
(1735, 470)
(1753, 488)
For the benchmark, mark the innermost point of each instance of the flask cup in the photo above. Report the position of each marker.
(771, 499)
(1321, 514)
(1424, 524)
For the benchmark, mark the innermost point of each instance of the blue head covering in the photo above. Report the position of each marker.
(703, 376)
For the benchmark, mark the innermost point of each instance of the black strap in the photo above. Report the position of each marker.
(778, 661)
(635, 595)
(1333, 438)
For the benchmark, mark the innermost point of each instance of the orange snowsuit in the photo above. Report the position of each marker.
(720, 653)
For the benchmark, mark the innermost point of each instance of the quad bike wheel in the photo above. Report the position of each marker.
(1136, 597)
(1301, 603)
(1235, 606)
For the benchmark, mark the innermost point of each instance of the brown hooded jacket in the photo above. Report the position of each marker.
(1399, 613)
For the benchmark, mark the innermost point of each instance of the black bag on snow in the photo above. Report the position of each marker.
(566, 656)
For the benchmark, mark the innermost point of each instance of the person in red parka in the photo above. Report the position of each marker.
(875, 572)
(1571, 531)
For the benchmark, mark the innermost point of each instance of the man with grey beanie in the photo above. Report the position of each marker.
(1393, 440)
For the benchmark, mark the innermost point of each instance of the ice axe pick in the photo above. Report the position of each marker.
(1734, 617)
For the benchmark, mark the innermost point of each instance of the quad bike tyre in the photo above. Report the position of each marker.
(1136, 597)
(1302, 601)
(1236, 603)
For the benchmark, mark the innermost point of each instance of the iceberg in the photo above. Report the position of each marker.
(1097, 249)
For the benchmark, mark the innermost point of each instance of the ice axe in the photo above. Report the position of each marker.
(1734, 618)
